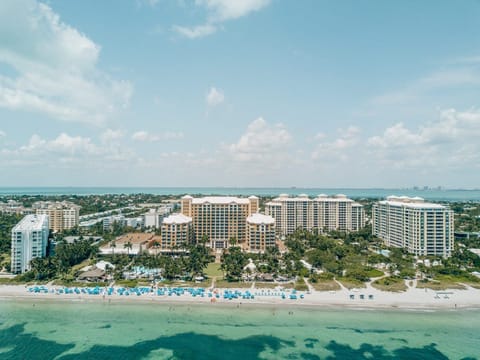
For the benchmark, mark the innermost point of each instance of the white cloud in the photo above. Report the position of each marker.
(444, 79)
(54, 67)
(110, 135)
(448, 142)
(144, 136)
(262, 143)
(338, 148)
(2, 134)
(220, 11)
(215, 97)
(66, 150)
(196, 31)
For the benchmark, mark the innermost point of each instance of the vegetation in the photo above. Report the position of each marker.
(233, 262)
(324, 258)
(324, 282)
(390, 283)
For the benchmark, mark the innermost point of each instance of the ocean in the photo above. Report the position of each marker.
(431, 194)
(76, 330)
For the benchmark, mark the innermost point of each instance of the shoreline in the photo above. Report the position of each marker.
(411, 300)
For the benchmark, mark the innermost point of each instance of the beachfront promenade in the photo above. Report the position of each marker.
(369, 297)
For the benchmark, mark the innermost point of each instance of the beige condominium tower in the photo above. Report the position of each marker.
(62, 215)
(220, 218)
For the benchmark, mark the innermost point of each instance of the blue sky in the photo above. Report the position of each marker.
(239, 93)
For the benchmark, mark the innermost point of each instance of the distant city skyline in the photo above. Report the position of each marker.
(251, 93)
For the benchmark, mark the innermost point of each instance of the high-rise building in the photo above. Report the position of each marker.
(413, 224)
(62, 215)
(219, 218)
(177, 230)
(29, 241)
(323, 213)
(260, 232)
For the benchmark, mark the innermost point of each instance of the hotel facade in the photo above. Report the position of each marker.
(420, 227)
(260, 232)
(177, 231)
(29, 241)
(220, 218)
(323, 213)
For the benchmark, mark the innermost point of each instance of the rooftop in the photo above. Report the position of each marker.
(220, 200)
(177, 219)
(32, 223)
(410, 202)
(304, 197)
(260, 219)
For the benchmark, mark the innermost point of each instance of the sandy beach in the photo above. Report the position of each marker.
(372, 298)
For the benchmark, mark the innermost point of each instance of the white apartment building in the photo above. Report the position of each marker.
(62, 215)
(29, 241)
(177, 230)
(154, 217)
(411, 223)
(323, 213)
(260, 232)
(220, 218)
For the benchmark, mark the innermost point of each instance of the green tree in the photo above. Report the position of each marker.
(232, 263)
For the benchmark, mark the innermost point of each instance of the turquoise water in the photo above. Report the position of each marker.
(70, 330)
(438, 195)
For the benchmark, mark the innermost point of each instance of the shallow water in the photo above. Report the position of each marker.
(74, 330)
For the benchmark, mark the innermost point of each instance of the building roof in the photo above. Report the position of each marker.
(32, 223)
(260, 219)
(304, 197)
(92, 274)
(220, 200)
(410, 202)
(177, 219)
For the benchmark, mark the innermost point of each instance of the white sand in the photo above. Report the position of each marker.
(413, 298)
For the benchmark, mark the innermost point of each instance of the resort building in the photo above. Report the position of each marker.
(413, 224)
(134, 243)
(219, 218)
(260, 232)
(29, 241)
(177, 231)
(323, 213)
(62, 215)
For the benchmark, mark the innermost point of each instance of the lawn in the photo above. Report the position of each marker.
(325, 285)
(351, 283)
(213, 270)
(440, 284)
(393, 284)
(300, 285)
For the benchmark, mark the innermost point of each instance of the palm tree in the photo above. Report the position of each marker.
(113, 246)
(128, 246)
(204, 240)
(156, 245)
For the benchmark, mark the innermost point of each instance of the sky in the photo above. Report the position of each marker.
(247, 93)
